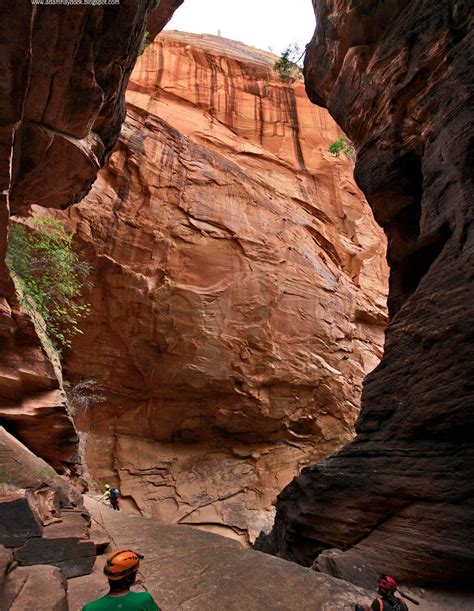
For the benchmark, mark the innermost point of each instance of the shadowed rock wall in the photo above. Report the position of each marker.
(396, 76)
(240, 288)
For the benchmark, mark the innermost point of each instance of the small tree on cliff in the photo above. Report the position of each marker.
(146, 40)
(50, 274)
(287, 66)
(342, 145)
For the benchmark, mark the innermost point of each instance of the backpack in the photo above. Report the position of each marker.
(114, 494)
(395, 603)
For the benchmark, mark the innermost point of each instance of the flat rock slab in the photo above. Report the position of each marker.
(73, 556)
(185, 568)
(38, 588)
(73, 523)
(18, 521)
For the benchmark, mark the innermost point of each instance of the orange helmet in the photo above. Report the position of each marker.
(121, 563)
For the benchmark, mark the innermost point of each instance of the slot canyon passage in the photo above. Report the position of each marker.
(239, 287)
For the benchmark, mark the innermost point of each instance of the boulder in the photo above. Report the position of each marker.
(19, 520)
(42, 588)
(74, 556)
(349, 566)
(47, 492)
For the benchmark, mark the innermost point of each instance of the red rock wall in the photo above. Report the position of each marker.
(64, 73)
(240, 288)
(396, 77)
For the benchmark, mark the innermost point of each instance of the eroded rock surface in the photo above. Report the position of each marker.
(396, 77)
(64, 74)
(240, 291)
(187, 569)
(32, 404)
(35, 587)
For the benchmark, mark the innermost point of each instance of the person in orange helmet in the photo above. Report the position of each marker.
(121, 570)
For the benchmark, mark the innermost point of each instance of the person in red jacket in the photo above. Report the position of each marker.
(386, 601)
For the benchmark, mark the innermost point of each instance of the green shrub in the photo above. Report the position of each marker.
(286, 66)
(45, 473)
(145, 43)
(342, 145)
(50, 273)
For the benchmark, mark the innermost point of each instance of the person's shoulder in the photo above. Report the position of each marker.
(376, 606)
(145, 598)
(95, 605)
(141, 596)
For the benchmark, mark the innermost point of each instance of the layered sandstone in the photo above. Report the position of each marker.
(186, 569)
(239, 288)
(396, 77)
(64, 74)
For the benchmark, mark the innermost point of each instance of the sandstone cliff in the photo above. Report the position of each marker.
(396, 77)
(240, 288)
(64, 73)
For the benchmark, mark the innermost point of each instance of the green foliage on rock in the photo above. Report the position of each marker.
(287, 67)
(342, 145)
(45, 473)
(50, 274)
(145, 43)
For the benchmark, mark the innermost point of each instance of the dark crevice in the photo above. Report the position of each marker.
(293, 116)
(406, 274)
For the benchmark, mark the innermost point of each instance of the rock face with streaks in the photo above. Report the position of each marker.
(64, 74)
(396, 77)
(240, 288)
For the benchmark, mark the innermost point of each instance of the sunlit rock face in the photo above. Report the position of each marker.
(239, 288)
(64, 75)
(396, 77)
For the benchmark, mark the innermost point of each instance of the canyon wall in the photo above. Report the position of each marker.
(239, 294)
(396, 77)
(64, 74)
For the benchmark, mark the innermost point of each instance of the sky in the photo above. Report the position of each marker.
(265, 24)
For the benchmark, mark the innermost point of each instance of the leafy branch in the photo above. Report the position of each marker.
(146, 40)
(287, 66)
(342, 145)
